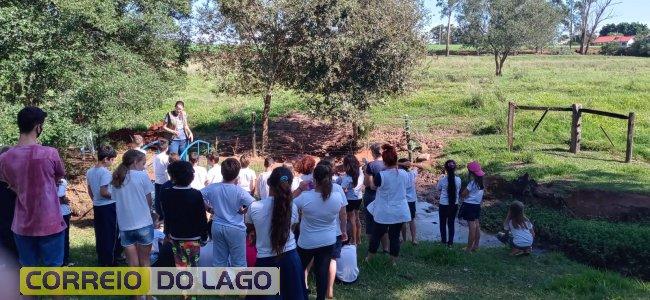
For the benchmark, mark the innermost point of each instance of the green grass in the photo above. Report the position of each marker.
(460, 93)
(432, 271)
(452, 47)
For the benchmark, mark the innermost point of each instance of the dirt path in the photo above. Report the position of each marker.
(428, 227)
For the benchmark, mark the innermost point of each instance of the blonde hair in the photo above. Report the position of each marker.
(128, 159)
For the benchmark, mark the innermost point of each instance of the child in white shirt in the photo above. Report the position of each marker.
(519, 233)
(66, 212)
(229, 203)
(200, 173)
(262, 188)
(214, 174)
(246, 175)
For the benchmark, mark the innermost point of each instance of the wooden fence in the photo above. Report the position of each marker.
(576, 124)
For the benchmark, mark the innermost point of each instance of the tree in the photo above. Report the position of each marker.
(592, 13)
(265, 36)
(503, 26)
(447, 8)
(438, 34)
(372, 55)
(92, 64)
(570, 18)
(634, 28)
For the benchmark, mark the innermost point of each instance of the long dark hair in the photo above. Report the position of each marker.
(389, 155)
(129, 158)
(280, 187)
(478, 180)
(351, 165)
(517, 216)
(323, 180)
(450, 168)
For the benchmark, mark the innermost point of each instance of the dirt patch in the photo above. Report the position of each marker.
(581, 203)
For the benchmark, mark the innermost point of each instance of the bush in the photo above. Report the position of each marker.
(641, 47)
(618, 246)
(612, 48)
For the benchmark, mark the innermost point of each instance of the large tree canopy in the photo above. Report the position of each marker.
(503, 26)
(634, 28)
(88, 62)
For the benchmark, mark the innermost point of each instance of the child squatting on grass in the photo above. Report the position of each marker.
(519, 233)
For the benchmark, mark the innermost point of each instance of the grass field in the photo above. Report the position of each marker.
(460, 93)
(431, 271)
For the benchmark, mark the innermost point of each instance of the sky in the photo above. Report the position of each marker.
(625, 11)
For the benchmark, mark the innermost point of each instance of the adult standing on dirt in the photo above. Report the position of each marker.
(32, 171)
(176, 124)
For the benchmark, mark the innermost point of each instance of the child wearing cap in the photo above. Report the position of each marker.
(471, 207)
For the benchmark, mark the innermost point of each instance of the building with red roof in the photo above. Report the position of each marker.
(624, 41)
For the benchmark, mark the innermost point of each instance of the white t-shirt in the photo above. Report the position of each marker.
(475, 195)
(141, 150)
(262, 185)
(226, 199)
(160, 163)
(338, 189)
(442, 189)
(60, 192)
(214, 174)
(390, 205)
(346, 266)
(352, 192)
(96, 178)
(319, 218)
(200, 177)
(133, 211)
(260, 215)
(246, 176)
(521, 236)
(411, 194)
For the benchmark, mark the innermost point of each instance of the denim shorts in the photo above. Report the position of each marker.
(141, 236)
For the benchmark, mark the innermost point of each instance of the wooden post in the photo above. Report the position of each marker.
(254, 135)
(407, 132)
(630, 138)
(216, 146)
(576, 128)
(511, 124)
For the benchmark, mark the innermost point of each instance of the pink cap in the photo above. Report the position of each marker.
(475, 168)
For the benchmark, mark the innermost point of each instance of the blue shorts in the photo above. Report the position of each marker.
(336, 250)
(141, 236)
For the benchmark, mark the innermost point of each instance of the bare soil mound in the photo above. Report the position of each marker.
(579, 202)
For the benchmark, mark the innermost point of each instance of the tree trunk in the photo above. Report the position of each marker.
(583, 38)
(497, 71)
(448, 33)
(265, 119)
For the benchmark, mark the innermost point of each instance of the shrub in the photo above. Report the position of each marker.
(641, 47)
(612, 48)
(618, 246)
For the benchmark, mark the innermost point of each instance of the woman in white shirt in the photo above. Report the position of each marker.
(448, 188)
(131, 190)
(320, 209)
(390, 208)
(471, 207)
(273, 218)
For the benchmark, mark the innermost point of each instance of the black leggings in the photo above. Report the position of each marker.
(393, 235)
(447, 220)
(322, 257)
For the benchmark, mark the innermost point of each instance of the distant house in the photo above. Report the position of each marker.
(624, 41)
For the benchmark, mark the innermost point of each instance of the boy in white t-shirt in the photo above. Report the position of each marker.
(200, 173)
(262, 188)
(160, 163)
(214, 173)
(246, 175)
(98, 179)
(347, 270)
(229, 203)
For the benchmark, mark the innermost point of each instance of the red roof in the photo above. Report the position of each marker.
(613, 38)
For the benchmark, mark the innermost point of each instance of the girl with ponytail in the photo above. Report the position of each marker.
(273, 218)
(449, 194)
(352, 184)
(131, 191)
(390, 208)
(321, 207)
